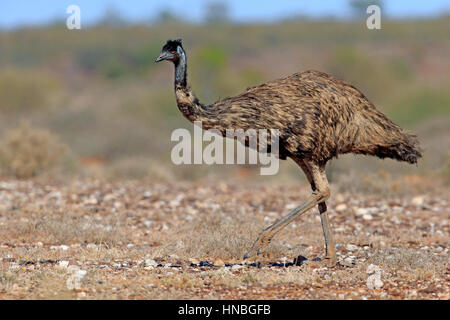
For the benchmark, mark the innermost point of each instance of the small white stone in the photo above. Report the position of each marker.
(148, 223)
(373, 269)
(348, 262)
(418, 201)
(91, 200)
(109, 197)
(236, 267)
(361, 211)
(73, 269)
(374, 282)
(80, 273)
(351, 247)
(341, 207)
(150, 263)
(367, 217)
(147, 194)
(74, 281)
(63, 264)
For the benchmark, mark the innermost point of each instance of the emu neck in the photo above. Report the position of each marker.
(188, 104)
(181, 71)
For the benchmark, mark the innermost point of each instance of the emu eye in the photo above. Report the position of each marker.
(173, 51)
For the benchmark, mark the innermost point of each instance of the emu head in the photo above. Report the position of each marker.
(171, 51)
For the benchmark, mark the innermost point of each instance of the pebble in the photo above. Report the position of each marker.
(361, 211)
(374, 282)
(341, 207)
(418, 201)
(109, 197)
(205, 263)
(367, 217)
(374, 279)
(61, 247)
(91, 200)
(150, 263)
(74, 281)
(73, 268)
(300, 260)
(219, 263)
(351, 247)
(372, 269)
(147, 194)
(236, 267)
(63, 264)
(348, 262)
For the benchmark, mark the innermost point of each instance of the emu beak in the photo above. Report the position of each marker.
(162, 56)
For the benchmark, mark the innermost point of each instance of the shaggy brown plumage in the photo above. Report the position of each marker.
(318, 118)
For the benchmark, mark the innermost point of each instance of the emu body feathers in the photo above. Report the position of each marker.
(318, 116)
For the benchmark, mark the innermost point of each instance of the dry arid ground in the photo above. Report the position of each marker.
(91, 239)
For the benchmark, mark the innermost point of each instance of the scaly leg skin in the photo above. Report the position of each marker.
(330, 246)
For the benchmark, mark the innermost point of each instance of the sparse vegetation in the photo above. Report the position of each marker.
(26, 151)
(100, 93)
(134, 240)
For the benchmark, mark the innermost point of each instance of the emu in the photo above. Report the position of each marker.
(318, 118)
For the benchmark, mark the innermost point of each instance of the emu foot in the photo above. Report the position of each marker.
(258, 246)
(329, 262)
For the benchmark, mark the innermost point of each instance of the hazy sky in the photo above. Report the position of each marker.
(15, 13)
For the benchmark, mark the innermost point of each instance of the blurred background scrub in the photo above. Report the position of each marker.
(95, 95)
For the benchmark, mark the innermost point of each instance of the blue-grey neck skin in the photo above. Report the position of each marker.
(180, 68)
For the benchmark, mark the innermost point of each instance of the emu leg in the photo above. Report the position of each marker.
(330, 246)
(319, 195)
(267, 234)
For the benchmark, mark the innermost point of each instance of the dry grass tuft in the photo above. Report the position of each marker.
(26, 151)
(407, 259)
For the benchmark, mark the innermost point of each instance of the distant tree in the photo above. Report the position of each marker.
(112, 18)
(359, 7)
(216, 12)
(166, 15)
